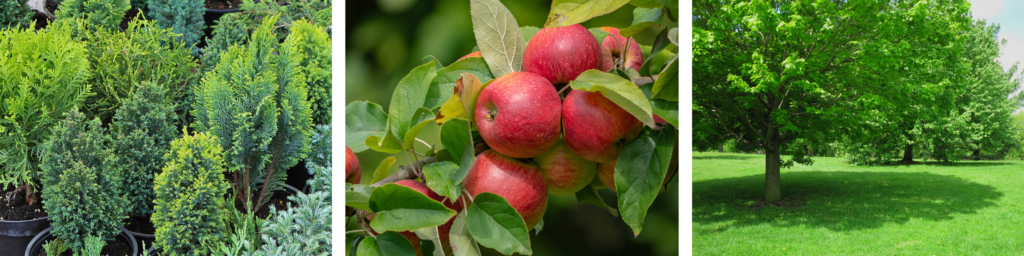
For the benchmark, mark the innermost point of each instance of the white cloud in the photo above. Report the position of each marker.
(986, 9)
(1011, 52)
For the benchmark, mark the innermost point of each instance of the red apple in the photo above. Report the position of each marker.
(518, 115)
(470, 55)
(565, 172)
(614, 49)
(561, 54)
(595, 128)
(352, 171)
(520, 182)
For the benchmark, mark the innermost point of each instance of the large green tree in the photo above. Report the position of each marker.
(769, 72)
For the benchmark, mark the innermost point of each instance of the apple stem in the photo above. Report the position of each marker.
(563, 89)
(470, 196)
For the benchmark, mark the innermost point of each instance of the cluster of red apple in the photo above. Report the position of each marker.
(522, 116)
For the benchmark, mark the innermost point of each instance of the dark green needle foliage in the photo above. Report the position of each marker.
(42, 75)
(81, 181)
(190, 207)
(97, 14)
(144, 52)
(14, 13)
(143, 129)
(255, 103)
(235, 28)
(184, 16)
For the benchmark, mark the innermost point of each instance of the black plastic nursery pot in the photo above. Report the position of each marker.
(143, 240)
(16, 235)
(35, 247)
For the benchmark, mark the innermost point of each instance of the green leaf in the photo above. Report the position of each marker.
(394, 244)
(399, 208)
(460, 239)
(383, 170)
(498, 35)
(620, 91)
(589, 194)
(639, 172)
(355, 244)
(437, 64)
(660, 42)
(363, 119)
(368, 247)
(666, 110)
(408, 97)
(455, 135)
(646, 3)
(438, 179)
(421, 118)
(673, 35)
(495, 224)
(642, 18)
(443, 86)
(674, 4)
(569, 12)
(660, 60)
(599, 34)
(358, 196)
(388, 144)
(667, 85)
(528, 32)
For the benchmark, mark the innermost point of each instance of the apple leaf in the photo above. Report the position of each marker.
(395, 244)
(646, 3)
(399, 208)
(667, 85)
(383, 142)
(660, 42)
(457, 138)
(442, 87)
(354, 248)
(383, 170)
(661, 60)
(438, 176)
(429, 240)
(640, 169)
(589, 194)
(467, 89)
(451, 109)
(674, 4)
(408, 98)
(358, 196)
(498, 36)
(666, 110)
(620, 91)
(421, 118)
(496, 225)
(673, 35)
(437, 63)
(528, 32)
(363, 119)
(569, 12)
(460, 239)
(599, 34)
(369, 247)
(642, 18)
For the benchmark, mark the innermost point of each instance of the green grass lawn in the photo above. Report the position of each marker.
(964, 208)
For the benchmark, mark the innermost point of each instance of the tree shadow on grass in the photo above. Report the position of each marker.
(729, 157)
(839, 201)
(967, 164)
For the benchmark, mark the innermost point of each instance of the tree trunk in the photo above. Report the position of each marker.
(908, 154)
(772, 175)
(721, 148)
(977, 154)
(810, 151)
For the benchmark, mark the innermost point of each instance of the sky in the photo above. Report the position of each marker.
(1009, 14)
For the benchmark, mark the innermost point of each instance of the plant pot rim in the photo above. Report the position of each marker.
(46, 234)
(24, 221)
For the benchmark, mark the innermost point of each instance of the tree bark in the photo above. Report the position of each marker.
(721, 148)
(772, 175)
(908, 154)
(977, 154)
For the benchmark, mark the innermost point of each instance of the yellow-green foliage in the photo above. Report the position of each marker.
(315, 45)
(43, 74)
(98, 14)
(190, 206)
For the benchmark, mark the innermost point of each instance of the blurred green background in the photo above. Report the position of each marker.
(387, 38)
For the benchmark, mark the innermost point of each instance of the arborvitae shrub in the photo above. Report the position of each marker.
(303, 229)
(190, 207)
(98, 14)
(43, 74)
(14, 13)
(184, 16)
(142, 131)
(315, 45)
(81, 181)
(255, 103)
(235, 28)
(144, 52)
